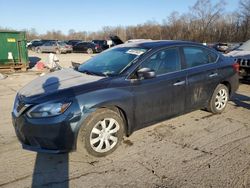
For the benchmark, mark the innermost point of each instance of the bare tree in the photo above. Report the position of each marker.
(204, 22)
(205, 14)
(244, 7)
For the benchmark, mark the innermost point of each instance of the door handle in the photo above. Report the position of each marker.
(179, 83)
(213, 75)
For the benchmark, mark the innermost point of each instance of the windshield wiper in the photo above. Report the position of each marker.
(92, 73)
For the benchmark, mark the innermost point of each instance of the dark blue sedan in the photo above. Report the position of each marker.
(119, 91)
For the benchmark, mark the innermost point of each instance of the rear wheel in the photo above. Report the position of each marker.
(89, 51)
(101, 133)
(58, 51)
(219, 99)
(39, 50)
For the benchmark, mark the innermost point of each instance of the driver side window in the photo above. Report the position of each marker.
(164, 61)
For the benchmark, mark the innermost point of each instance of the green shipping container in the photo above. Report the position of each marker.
(13, 51)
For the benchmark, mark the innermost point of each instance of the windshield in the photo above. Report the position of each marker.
(111, 62)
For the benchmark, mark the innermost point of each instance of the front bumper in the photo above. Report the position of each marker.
(49, 135)
(244, 67)
(66, 50)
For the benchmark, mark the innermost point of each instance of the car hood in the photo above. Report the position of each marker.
(239, 53)
(56, 81)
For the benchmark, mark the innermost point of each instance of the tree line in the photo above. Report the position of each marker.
(204, 22)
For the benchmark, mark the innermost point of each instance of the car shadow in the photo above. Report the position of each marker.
(51, 170)
(241, 100)
(245, 81)
(33, 61)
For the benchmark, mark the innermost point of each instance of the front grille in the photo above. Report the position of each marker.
(243, 62)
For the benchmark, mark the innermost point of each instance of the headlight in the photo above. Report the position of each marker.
(48, 109)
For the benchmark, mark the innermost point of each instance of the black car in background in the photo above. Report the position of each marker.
(119, 91)
(101, 43)
(116, 40)
(87, 47)
(73, 42)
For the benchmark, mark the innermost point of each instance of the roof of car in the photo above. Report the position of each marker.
(157, 43)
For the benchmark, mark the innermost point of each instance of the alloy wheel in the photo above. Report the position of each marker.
(221, 99)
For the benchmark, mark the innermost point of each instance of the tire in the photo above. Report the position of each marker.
(58, 51)
(219, 99)
(97, 133)
(39, 50)
(89, 51)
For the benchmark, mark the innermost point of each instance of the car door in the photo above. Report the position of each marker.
(163, 96)
(44, 47)
(202, 75)
(52, 47)
(86, 46)
(77, 47)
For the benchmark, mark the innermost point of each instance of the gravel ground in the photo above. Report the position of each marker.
(194, 150)
(64, 59)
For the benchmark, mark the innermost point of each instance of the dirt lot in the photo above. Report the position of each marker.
(194, 150)
(64, 59)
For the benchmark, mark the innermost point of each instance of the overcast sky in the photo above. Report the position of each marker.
(89, 15)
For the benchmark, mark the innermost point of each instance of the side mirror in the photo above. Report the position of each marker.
(146, 73)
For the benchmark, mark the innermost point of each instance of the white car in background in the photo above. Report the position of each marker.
(137, 40)
(30, 42)
(242, 56)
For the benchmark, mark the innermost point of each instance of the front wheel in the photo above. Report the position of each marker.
(101, 134)
(219, 99)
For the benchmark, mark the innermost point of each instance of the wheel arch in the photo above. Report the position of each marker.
(122, 113)
(228, 85)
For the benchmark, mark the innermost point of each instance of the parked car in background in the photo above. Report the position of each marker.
(233, 46)
(119, 91)
(32, 41)
(220, 47)
(112, 40)
(115, 40)
(242, 57)
(36, 43)
(138, 40)
(54, 47)
(73, 42)
(87, 47)
(101, 43)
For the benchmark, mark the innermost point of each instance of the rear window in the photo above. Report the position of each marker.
(196, 56)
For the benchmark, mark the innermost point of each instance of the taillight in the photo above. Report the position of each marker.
(236, 67)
